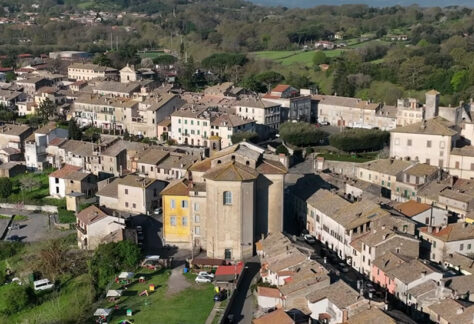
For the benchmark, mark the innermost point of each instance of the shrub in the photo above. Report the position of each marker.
(251, 137)
(301, 134)
(357, 140)
(14, 298)
(281, 149)
(6, 187)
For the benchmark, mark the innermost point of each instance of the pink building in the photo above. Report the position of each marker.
(382, 266)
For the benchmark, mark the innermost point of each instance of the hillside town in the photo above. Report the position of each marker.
(207, 180)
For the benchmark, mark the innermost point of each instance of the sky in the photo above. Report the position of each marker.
(372, 3)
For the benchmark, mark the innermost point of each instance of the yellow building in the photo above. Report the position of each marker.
(176, 214)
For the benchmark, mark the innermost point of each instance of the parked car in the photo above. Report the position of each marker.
(220, 296)
(324, 123)
(309, 239)
(203, 279)
(206, 274)
(43, 284)
(343, 267)
(14, 238)
(158, 211)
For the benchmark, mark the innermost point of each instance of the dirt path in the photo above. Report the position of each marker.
(177, 282)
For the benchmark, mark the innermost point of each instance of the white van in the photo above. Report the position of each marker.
(43, 284)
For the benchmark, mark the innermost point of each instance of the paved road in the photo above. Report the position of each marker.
(242, 308)
(36, 228)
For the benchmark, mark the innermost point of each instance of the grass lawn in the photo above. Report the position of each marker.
(67, 305)
(191, 305)
(33, 196)
(346, 157)
(292, 57)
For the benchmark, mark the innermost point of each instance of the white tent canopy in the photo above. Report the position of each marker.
(114, 293)
(103, 312)
(126, 275)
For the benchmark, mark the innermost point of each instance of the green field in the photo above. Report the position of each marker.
(191, 305)
(294, 57)
(69, 304)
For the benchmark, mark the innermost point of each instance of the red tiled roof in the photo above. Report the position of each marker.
(280, 88)
(6, 69)
(24, 55)
(56, 141)
(230, 270)
(412, 208)
(268, 292)
(275, 317)
(62, 173)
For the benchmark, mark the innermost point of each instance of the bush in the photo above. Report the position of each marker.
(281, 149)
(66, 216)
(14, 298)
(6, 187)
(251, 137)
(302, 134)
(357, 140)
(111, 258)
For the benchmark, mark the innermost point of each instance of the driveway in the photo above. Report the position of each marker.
(242, 308)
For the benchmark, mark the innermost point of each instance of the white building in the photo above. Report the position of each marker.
(267, 115)
(199, 125)
(429, 141)
(97, 226)
(87, 71)
(451, 238)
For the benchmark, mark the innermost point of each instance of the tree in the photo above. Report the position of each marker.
(91, 134)
(319, 58)
(165, 59)
(147, 63)
(110, 258)
(301, 134)
(74, 131)
(46, 109)
(102, 60)
(298, 81)
(252, 84)
(459, 80)
(244, 136)
(270, 78)
(357, 140)
(413, 73)
(28, 183)
(6, 187)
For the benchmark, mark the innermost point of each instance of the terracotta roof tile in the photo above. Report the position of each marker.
(65, 171)
(412, 208)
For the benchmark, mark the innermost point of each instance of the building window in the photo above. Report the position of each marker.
(434, 243)
(427, 161)
(197, 230)
(461, 247)
(126, 191)
(197, 218)
(472, 166)
(173, 220)
(196, 206)
(428, 143)
(228, 254)
(441, 145)
(134, 205)
(56, 180)
(184, 221)
(126, 204)
(184, 204)
(227, 198)
(469, 246)
(409, 142)
(173, 203)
